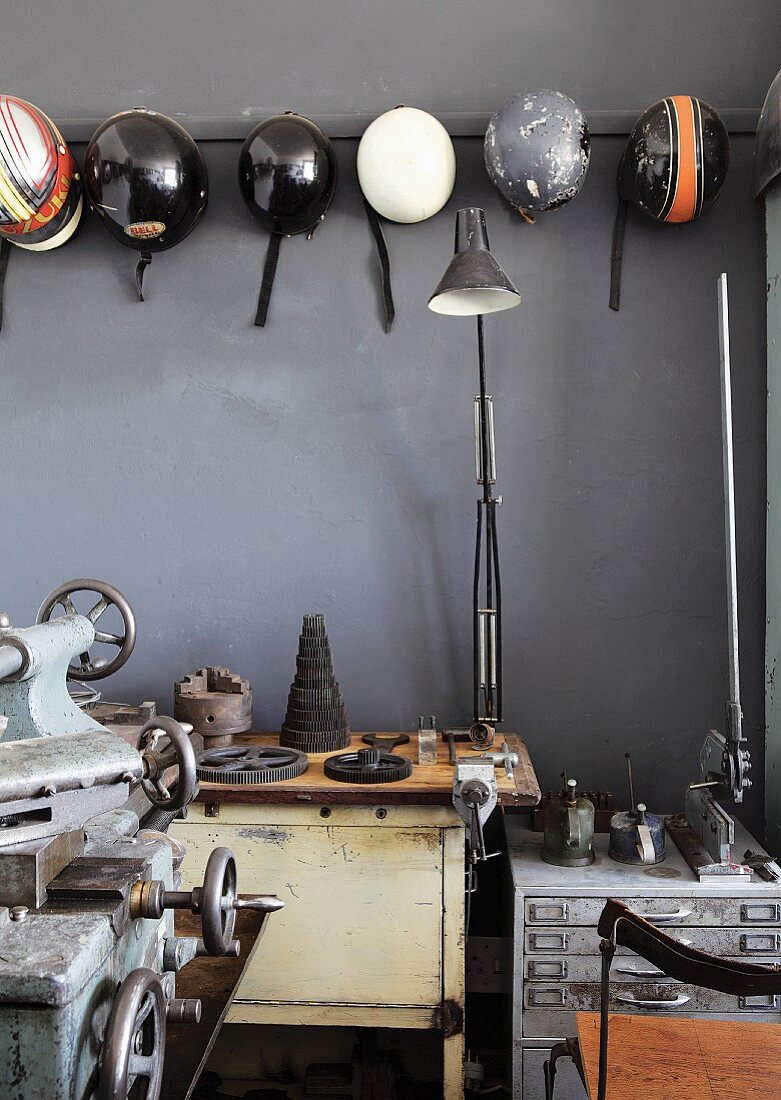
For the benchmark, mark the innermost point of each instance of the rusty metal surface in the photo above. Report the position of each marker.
(216, 702)
(27, 869)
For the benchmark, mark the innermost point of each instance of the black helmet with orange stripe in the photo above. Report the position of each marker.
(673, 167)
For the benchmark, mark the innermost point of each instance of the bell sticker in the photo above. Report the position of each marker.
(144, 231)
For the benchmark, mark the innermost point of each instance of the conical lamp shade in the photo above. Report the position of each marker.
(474, 283)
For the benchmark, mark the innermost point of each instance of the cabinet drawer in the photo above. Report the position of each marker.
(626, 969)
(558, 1023)
(724, 912)
(665, 996)
(735, 942)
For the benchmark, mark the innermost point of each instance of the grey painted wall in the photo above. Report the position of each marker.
(248, 58)
(229, 479)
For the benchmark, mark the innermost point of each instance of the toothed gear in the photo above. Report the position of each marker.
(315, 742)
(368, 766)
(250, 765)
(316, 719)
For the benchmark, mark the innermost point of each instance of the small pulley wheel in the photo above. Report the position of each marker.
(180, 755)
(220, 887)
(91, 668)
(132, 1054)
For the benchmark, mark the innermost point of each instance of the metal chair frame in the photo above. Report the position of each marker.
(619, 926)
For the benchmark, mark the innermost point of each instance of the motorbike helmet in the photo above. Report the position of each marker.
(146, 180)
(672, 168)
(537, 150)
(767, 146)
(287, 177)
(407, 170)
(40, 187)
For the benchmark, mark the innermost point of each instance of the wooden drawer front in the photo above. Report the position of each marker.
(362, 922)
(667, 912)
(734, 942)
(660, 996)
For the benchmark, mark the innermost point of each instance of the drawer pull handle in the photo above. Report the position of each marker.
(547, 998)
(547, 968)
(550, 913)
(548, 941)
(641, 972)
(666, 918)
(760, 913)
(756, 944)
(640, 1002)
(759, 1004)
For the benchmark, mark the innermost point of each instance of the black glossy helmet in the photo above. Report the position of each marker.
(672, 168)
(287, 177)
(767, 147)
(537, 150)
(146, 180)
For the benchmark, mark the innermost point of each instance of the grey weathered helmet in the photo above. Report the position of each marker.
(767, 147)
(537, 150)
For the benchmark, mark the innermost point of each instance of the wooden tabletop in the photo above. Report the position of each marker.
(661, 1058)
(428, 784)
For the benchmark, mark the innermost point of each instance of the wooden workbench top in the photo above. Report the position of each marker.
(430, 785)
(686, 1058)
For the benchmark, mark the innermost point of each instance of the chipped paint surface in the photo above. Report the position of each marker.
(537, 150)
(348, 889)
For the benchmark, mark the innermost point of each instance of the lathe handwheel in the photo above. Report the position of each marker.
(134, 1043)
(218, 917)
(180, 755)
(88, 668)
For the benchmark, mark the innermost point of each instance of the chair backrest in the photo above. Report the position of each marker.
(625, 928)
(620, 927)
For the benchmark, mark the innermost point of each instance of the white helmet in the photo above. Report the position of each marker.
(407, 170)
(406, 165)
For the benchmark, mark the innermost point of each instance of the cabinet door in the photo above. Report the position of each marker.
(362, 922)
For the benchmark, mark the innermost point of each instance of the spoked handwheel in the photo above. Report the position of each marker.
(92, 668)
(131, 1059)
(179, 754)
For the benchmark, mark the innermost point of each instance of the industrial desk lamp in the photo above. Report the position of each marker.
(473, 285)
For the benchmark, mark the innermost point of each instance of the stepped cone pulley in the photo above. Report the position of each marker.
(316, 720)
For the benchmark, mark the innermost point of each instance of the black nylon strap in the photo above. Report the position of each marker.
(5, 252)
(618, 254)
(375, 225)
(141, 266)
(269, 271)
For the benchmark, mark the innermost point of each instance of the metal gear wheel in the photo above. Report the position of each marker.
(245, 765)
(368, 766)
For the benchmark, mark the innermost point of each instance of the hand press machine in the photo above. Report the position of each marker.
(88, 953)
(705, 834)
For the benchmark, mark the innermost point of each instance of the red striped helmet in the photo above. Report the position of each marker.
(40, 187)
(675, 160)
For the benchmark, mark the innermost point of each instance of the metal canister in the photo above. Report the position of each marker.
(637, 836)
(569, 829)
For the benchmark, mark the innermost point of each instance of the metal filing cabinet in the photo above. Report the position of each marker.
(556, 961)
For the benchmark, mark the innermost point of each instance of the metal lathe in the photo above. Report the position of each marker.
(88, 952)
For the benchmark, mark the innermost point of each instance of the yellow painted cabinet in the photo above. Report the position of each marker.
(372, 929)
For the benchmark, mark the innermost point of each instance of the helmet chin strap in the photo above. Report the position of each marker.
(5, 252)
(375, 225)
(269, 271)
(141, 266)
(617, 254)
